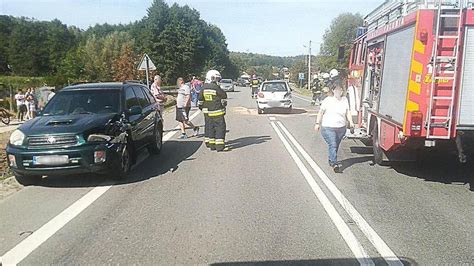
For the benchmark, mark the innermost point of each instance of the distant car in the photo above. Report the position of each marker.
(88, 128)
(240, 82)
(274, 94)
(227, 85)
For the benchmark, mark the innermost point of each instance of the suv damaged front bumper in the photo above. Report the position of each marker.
(97, 158)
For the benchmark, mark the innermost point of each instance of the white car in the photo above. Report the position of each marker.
(274, 94)
(227, 85)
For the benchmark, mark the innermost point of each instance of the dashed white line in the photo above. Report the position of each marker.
(382, 248)
(33, 241)
(344, 230)
(272, 118)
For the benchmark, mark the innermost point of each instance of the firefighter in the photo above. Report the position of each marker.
(324, 85)
(254, 83)
(315, 89)
(212, 102)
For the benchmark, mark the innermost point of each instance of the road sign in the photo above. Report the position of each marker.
(143, 63)
(301, 76)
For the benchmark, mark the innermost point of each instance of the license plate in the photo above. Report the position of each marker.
(51, 160)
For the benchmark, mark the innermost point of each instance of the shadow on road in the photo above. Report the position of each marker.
(346, 163)
(434, 167)
(247, 141)
(294, 111)
(173, 153)
(443, 169)
(330, 261)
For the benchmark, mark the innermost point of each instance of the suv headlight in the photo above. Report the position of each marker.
(17, 138)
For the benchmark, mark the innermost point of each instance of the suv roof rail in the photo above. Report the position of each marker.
(133, 81)
(79, 83)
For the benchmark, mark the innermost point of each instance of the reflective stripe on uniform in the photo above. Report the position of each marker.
(210, 92)
(216, 113)
(212, 141)
(206, 140)
(220, 142)
(205, 110)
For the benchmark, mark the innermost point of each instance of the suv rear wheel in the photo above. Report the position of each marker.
(157, 144)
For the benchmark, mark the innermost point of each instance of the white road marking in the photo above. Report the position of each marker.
(33, 241)
(382, 248)
(272, 118)
(351, 241)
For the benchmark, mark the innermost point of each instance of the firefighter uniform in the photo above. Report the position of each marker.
(210, 100)
(254, 83)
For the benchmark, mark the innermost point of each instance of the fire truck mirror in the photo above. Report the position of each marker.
(341, 53)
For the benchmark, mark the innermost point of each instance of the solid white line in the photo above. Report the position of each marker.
(33, 241)
(351, 241)
(382, 248)
(25, 247)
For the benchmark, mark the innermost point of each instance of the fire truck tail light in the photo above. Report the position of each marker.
(416, 123)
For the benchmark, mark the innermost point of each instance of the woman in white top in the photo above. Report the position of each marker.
(332, 117)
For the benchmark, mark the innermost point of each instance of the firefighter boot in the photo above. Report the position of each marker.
(220, 129)
(206, 131)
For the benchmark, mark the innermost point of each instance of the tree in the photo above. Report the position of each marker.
(124, 66)
(28, 53)
(59, 41)
(6, 26)
(340, 33)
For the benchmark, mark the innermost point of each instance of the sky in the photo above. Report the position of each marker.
(274, 27)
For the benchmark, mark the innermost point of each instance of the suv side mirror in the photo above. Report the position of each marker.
(135, 110)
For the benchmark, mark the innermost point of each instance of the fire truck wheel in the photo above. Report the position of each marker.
(377, 150)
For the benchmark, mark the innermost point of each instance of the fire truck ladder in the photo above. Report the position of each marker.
(433, 120)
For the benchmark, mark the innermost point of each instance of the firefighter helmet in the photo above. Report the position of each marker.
(213, 76)
(333, 73)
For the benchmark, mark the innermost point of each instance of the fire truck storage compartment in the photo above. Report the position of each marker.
(396, 71)
(466, 107)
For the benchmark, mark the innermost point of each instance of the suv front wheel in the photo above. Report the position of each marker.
(121, 170)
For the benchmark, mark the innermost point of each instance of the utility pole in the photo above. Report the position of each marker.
(309, 67)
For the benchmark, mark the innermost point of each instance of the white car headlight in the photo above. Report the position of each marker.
(17, 138)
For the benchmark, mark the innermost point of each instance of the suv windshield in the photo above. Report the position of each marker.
(84, 102)
(274, 87)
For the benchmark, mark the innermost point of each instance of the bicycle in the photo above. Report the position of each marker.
(4, 116)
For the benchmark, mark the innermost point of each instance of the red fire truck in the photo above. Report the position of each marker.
(411, 77)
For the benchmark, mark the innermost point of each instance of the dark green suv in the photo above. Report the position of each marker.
(87, 128)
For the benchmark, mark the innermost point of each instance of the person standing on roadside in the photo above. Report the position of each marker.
(196, 86)
(20, 105)
(156, 91)
(27, 103)
(31, 106)
(183, 106)
(332, 117)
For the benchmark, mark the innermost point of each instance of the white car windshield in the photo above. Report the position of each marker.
(273, 87)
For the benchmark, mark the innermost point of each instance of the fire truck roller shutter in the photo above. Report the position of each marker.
(396, 73)
(466, 107)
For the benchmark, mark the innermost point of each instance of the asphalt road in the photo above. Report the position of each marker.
(271, 200)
